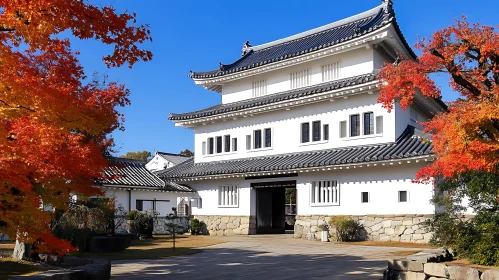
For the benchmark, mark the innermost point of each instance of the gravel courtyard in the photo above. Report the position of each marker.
(265, 257)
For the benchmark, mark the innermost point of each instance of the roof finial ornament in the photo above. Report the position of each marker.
(387, 10)
(246, 46)
(221, 66)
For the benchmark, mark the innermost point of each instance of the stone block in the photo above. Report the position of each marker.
(313, 229)
(245, 220)
(408, 231)
(406, 237)
(463, 273)
(395, 238)
(389, 231)
(387, 224)
(399, 230)
(229, 232)
(407, 222)
(408, 275)
(405, 265)
(427, 236)
(396, 223)
(436, 269)
(377, 226)
(223, 226)
(306, 230)
(384, 238)
(436, 278)
(245, 231)
(236, 222)
(490, 274)
(314, 223)
(422, 257)
(298, 229)
(230, 225)
(417, 236)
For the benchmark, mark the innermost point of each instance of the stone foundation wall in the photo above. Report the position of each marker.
(227, 225)
(404, 228)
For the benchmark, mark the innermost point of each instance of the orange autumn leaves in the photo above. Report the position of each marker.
(466, 137)
(55, 121)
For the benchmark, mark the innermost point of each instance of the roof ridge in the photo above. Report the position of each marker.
(320, 29)
(171, 154)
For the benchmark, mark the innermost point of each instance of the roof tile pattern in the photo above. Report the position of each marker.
(130, 172)
(273, 98)
(369, 22)
(410, 144)
(173, 158)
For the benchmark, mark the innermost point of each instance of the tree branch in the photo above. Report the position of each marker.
(17, 107)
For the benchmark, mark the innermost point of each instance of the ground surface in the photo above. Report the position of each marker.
(159, 247)
(264, 257)
(10, 267)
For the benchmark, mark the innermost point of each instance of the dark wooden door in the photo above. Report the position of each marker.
(270, 214)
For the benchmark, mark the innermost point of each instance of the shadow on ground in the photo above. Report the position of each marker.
(232, 263)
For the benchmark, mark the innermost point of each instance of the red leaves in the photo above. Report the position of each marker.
(465, 138)
(54, 123)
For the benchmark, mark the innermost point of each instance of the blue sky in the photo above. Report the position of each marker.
(196, 35)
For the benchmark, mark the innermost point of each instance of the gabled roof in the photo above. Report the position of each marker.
(173, 158)
(410, 144)
(311, 41)
(131, 172)
(273, 98)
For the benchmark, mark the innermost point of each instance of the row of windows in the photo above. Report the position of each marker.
(220, 144)
(326, 192)
(368, 123)
(259, 141)
(301, 78)
(318, 132)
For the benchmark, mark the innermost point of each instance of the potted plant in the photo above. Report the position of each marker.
(324, 229)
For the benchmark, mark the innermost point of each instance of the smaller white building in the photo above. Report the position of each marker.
(137, 188)
(162, 161)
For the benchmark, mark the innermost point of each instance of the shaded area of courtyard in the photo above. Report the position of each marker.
(266, 257)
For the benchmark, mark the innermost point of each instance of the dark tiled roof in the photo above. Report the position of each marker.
(273, 98)
(338, 32)
(409, 144)
(174, 158)
(130, 172)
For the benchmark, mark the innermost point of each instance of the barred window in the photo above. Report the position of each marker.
(228, 196)
(300, 79)
(325, 193)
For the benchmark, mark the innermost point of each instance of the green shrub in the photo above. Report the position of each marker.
(344, 228)
(133, 215)
(195, 226)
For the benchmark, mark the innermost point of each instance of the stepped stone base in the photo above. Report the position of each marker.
(403, 228)
(227, 225)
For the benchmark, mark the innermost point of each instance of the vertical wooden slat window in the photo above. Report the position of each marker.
(379, 124)
(368, 123)
(268, 138)
(257, 139)
(325, 130)
(219, 144)
(325, 193)
(299, 79)
(234, 144)
(210, 145)
(343, 129)
(316, 131)
(305, 132)
(248, 142)
(227, 143)
(259, 88)
(354, 125)
(228, 196)
(331, 72)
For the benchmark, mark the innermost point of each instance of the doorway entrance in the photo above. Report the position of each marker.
(271, 206)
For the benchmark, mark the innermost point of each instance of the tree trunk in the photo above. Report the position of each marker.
(21, 251)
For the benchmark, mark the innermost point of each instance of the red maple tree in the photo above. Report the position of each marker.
(465, 137)
(54, 121)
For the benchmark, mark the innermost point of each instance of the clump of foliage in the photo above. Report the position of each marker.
(475, 237)
(344, 228)
(142, 223)
(52, 150)
(195, 226)
(173, 225)
(140, 155)
(133, 215)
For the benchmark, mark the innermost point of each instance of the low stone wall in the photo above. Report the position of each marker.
(160, 225)
(404, 228)
(227, 225)
(427, 265)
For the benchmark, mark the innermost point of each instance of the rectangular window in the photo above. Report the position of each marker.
(219, 144)
(268, 137)
(316, 131)
(210, 145)
(331, 72)
(403, 196)
(368, 123)
(203, 148)
(257, 139)
(379, 124)
(300, 79)
(364, 197)
(326, 132)
(259, 88)
(227, 143)
(354, 125)
(228, 196)
(343, 129)
(325, 193)
(234, 144)
(305, 132)
(139, 205)
(248, 142)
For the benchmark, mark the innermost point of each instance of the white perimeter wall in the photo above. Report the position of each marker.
(382, 183)
(164, 208)
(353, 63)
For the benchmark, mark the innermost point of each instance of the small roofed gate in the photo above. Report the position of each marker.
(270, 206)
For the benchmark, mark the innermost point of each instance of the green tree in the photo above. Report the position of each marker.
(187, 152)
(140, 155)
(291, 195)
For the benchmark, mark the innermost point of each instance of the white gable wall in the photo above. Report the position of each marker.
(158, 163)
(353, 63)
